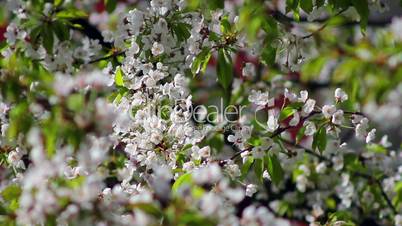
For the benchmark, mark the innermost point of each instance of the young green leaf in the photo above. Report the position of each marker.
(259, 168)
(286, 113)
(118, 78)
(362, 7)
(35, 33)
(224, 69)
(47, 38)
(216, 4)
(307, 5)
(183, 179)
(110, 5)
(246, 167)
(182, 31)
(200, 62)
(11, 192)
(225, 25)
(274, 168)
(320, 139)
(292, 5)
(71, 14)
(61, 30)
(300, 134)
(268, 55)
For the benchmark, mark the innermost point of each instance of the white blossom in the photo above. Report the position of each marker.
(273, 122)
(308, 107)
(337, 117)
(338, 162)
(251, 189)
(371, 136)
(340, 95)
(248, 70)
(310, 128)
(321, 168)
(258, 97)
(157, 49)
(328, 110)
(295, 119)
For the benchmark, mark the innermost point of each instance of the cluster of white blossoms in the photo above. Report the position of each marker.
(152, 138)
(158, 100)
(136, 157)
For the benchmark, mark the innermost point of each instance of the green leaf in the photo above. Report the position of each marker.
(259, 168)
(200, 62)
(57, 3)
(71, 14)
(319, 3)
(75, 182)
(225, 25)
(268, 55)
(376, 148)
(183, 179)
(312, 69)
(149, 208)
(320, 139)
(110, 5)
(20, 120)
(224, 69)
(362, 8)
(118, 78)
(61, 30)
(50, 132)
(246, 167)
(254, 141)
(339, 4)
(34, 35)
(300, 134)
(216, 4)
(340, 215)
(75, 102)
(182, 31)
(398, 198)
(274, 168)
(292, 5)
(306, 5)
(165, 113)
(11, 192)
(217, 142)
(47, 38)
(286, 113)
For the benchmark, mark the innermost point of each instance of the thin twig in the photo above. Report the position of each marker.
(106, 57)
(323, 26)
(239, 153)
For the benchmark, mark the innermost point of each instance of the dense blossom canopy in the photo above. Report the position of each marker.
(174, 112)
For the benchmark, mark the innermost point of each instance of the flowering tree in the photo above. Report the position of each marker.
(198, 112)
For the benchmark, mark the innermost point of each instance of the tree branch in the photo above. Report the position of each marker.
(284, 18)
(106, 57)
(359, 174)
(91, 31)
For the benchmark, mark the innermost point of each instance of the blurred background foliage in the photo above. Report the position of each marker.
(348, 45)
